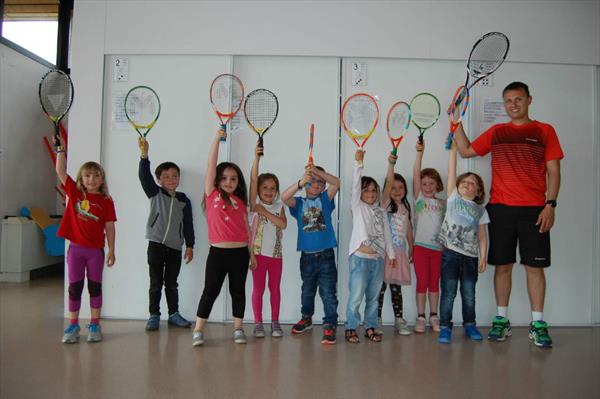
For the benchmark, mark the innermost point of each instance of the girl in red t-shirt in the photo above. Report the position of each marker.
(89, 217)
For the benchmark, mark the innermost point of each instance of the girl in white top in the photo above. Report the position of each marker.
(370, 241)
(427, 252)
(267, 221)
(394, 200)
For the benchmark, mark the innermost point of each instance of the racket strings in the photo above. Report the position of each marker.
(425, 110)
(56, 94)
(398, 120)
(261, 109)
(226, 94)
(360, 116)
(488, 54)
(142, 107)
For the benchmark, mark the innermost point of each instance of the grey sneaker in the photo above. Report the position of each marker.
(177, 320)
(71, 335)
(197, 338)
(259, 330)
(401, 326)
(153, 323)
(239, 336)
(94, 333)
(276, 330)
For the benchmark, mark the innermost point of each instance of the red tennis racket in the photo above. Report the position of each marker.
(398, 122)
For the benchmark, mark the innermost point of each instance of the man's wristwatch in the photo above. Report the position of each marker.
(552, 203)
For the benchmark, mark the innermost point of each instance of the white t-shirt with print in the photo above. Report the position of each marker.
(266, 237)
(429, 213)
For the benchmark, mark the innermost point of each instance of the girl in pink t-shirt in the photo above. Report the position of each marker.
(268, 222)
(225, 201)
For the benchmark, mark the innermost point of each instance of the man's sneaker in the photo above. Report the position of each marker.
(434, 322)
(239, 336)
(259, 330)
(197, 338)
(328, 335)
(472, 332)
(94, 333)
(445, 336)
(71, 334)
(302, 326)
(401, 326)
(153, 323)
(276, 330)
(500, 329)
(177, 320)
(538, 332)
(420, 325)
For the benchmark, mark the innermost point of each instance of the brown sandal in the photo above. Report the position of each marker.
(352, 337)
(373, 335)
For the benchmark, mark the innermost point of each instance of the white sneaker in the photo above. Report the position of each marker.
(401, 326)
(239, 336)
(420, 325)
(434, 322)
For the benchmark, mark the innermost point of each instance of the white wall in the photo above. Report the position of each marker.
(27, 175)
(348, 29)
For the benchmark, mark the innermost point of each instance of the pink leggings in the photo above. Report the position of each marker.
(428, 264)
(272, 267)
(79, 260)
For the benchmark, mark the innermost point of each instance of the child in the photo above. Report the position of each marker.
(170, 216)
(89, 217)
(463, 234)
(427, 252)
(371, 239)
(268, 221)
(225, 199)
(316, 240)
(395, 201)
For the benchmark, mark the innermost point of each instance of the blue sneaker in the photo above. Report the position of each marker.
(153, 323)
(472, 332)
(445, 336)
(177, 320)
(94, 333)
(71, 334)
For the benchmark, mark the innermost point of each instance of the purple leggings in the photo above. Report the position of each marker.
(78, 260)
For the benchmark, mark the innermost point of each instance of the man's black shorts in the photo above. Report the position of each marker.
(510, 225)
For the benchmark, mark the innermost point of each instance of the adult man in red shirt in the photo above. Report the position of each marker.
(525, 154)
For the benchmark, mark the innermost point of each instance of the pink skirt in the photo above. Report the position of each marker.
(399, 275)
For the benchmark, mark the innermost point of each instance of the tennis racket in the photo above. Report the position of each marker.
(487, 54)
(360, 115)
(398, 121)
(142, 109)
(311, 161)
(260, 110)
(226, 96)
(425, 111)
(56, 97)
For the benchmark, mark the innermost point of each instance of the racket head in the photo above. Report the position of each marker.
(142, 108)
(425, 110)
(487, 54)
(56, 94)
(226, 96)
(458, 106)
(398, 122)
(360, 115)
(260, 110)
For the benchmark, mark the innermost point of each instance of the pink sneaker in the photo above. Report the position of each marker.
(420, 325)
(434, 322)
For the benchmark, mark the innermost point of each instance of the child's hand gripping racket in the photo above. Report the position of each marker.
(226, 96)
(261, 109)
(360, 115)
(142, 109)
(487, 54)
(425, 111)
(398, 121)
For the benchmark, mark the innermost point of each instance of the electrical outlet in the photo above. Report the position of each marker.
(486, 82)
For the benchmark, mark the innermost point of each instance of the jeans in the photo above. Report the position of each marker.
(458, 267)
(366, 278)
(318, 270)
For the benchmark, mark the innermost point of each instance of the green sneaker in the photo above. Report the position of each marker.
(538, 333)
(500, 329)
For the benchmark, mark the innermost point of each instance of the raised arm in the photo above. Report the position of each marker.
(451, 186)
(417, 169)
(462, 142)
(288, 194)
(254, 177)
(211, 167)
(61, 162)
(146, 179)
(389, 179)
(333, 182)
(356, 177)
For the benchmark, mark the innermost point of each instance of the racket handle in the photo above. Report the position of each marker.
(395, 151)
(449, 141)
(224, 127)
(56, 142)
(420, 138)
(261, 144)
